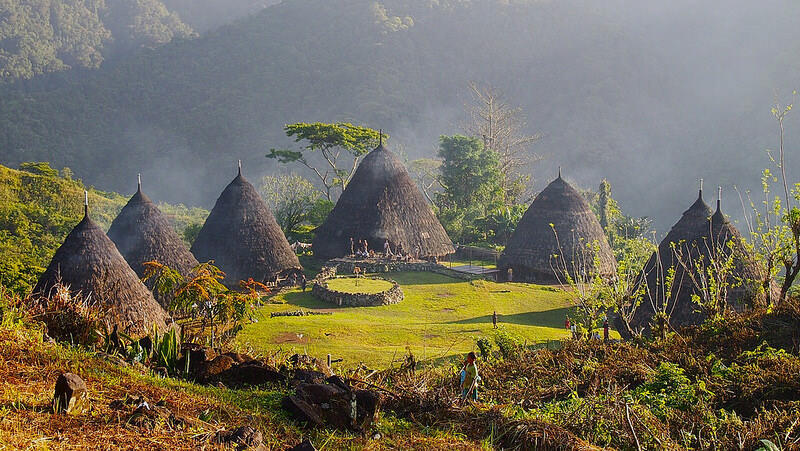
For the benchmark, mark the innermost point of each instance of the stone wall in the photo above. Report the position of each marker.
(320, 290)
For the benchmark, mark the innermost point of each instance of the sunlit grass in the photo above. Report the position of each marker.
(439, 318)
(360, 285)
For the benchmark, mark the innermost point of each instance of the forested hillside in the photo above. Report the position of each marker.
(634, 91)
(204, 15)
(41, 36)
(38, 208)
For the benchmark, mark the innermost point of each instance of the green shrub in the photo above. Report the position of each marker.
(669, 388)
(485, 346)
(510, 345)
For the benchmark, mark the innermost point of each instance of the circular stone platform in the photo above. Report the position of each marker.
(370, 292)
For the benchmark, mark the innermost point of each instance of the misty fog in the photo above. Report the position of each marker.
(650, 95)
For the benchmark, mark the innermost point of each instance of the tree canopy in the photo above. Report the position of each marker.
(330, 151)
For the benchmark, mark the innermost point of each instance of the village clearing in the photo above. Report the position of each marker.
(440, 318)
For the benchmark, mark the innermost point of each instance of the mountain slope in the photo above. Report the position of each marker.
(630, 91)
(41, 36)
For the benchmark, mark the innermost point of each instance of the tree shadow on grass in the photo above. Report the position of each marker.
(548, 318)
(306, 300)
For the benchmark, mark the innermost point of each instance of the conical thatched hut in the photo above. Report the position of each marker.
(382, 203)
(142, 234)
(747, 274)
(90, 265)
(243, 238)
(531, 249)
(697, 233)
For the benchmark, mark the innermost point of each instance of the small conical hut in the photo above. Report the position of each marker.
(536, 252)
(243, 238)
(91, 266)
(698, 233)
(382, 203)
(744, 289)
(142, 234)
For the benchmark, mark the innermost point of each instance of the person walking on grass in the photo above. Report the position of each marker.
(303, 282)
(494, 319)
(469, 381)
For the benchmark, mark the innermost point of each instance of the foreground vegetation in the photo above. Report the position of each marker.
(730, 385)
(29, 367)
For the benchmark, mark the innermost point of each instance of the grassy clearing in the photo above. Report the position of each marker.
(488, 264)
(360, 285)
(438, 318)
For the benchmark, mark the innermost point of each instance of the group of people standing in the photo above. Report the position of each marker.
(576, 334)
(361, 249)
(295, 280)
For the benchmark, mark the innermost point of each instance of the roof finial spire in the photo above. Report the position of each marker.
(719, 197)
(700, 193)
(559, 172)
(380, 137)
(139, 181)
(85, 203)
(240, 167)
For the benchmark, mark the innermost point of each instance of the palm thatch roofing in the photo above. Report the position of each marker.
(559, 223)
(91, 266)
(243, 238)
(382, 203)
(698, 234)
(142, 234)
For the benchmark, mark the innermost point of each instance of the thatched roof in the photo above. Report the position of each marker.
(142, 233)
(243, 238)
(697, 233)
(529, 252)
(89, 263)
(381, 203)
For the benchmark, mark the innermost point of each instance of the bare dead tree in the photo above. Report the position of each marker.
(502, 128)
(425, 172)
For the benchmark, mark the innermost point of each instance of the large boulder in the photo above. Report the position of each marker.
(211, 369)
(197, 354)
(71, 395)
(253, 373)
(333, 404)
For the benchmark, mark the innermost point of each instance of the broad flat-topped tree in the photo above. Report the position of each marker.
(340, 146)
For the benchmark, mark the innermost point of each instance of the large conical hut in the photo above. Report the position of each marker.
(243, 238)
(667, 285)
(382, 203)
(142, 234)
(559, 233)
(92, 267)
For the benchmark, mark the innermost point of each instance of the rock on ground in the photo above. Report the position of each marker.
(244, 437)
(71, 395)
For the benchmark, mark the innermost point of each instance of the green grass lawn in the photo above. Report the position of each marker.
(488, 264)
(438, 318)
(360, 285)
